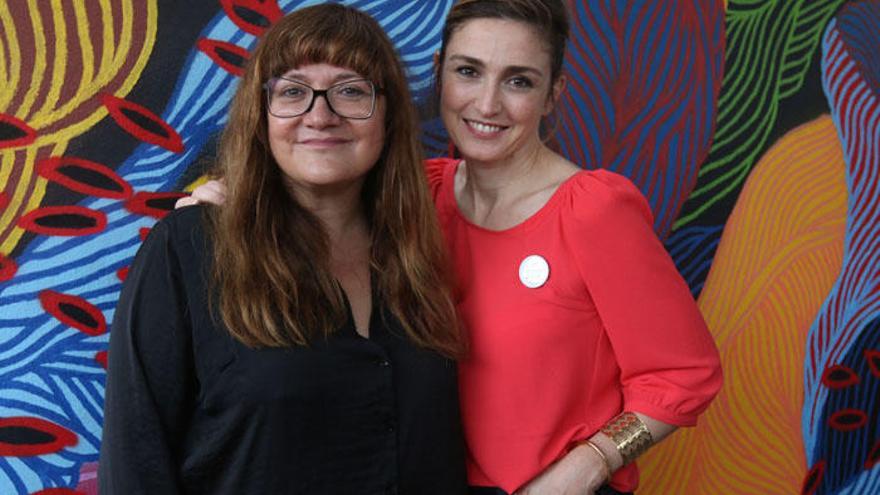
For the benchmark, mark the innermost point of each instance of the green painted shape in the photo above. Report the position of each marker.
(770, 46)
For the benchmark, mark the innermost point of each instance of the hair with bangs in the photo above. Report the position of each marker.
(548, 18)
(271, 255)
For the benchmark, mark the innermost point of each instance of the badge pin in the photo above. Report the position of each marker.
(534, 271)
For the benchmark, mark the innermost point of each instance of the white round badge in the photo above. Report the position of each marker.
(534, 271)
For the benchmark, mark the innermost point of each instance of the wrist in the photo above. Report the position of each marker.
(629, 435)
(597, 463)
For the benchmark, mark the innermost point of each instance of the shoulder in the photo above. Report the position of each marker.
(437, 170)
(180, 225)
(607, 197)
(179, 238)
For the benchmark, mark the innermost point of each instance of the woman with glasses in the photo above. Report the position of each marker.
(301, 340)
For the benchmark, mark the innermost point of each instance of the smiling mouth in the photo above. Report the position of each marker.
(326, 142)
(483, 128)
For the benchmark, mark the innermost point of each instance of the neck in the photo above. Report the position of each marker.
(503, 194)
(493, 182)
(339, 208)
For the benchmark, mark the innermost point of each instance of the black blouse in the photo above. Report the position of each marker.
(191, 410)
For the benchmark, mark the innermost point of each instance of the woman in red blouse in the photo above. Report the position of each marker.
(586, 346)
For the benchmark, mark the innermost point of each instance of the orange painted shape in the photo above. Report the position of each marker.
(778, 258)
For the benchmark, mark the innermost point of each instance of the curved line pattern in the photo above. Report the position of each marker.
(778, 258)
(57, 67)
(847, 327)
(643, 78)
(770, 46)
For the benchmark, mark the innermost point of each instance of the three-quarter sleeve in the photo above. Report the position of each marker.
(669, 365)
(149, 382)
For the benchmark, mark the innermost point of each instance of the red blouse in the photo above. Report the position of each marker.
(610, 326)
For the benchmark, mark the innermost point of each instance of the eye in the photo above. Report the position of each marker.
(521, 82)
(352, 90)
(290, 91)
(466, 71)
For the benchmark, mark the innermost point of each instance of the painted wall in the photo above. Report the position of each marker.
(753, 128)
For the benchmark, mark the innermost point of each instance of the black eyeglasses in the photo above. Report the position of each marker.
(355, 99)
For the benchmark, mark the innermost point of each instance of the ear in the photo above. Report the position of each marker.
(555, 93)
(437, 65)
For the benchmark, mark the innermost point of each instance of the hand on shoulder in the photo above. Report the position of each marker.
(212, 192)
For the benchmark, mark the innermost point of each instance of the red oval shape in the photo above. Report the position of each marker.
(74, 311)
(8, 267)
(873, 358)
(56, 437)
(142, 123)
(813, 478)
(143, 232)
(54, 169)
(122, 273)
(58, 491)
(63, 220)
(839, 376)
(101, 358)
(152, 204)
(848, 419)
(252, 16)
(15, 132)
(228, 56)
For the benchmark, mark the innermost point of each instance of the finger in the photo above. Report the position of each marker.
(185, 201)
(210, 192)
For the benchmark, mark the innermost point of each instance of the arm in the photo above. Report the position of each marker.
(610, 458)
(150, 380)
(669, 366)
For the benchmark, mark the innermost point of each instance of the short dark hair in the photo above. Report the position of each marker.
(549, 18)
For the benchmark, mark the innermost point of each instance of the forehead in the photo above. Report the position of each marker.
(500, 40)
(323, 73)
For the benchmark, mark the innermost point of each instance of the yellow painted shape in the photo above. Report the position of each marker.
(196, 183)
(8, 46)
(94, 79)
(778, 258)
(38, 30)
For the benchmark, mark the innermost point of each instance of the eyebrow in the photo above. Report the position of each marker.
(345, 76)
(509, 69)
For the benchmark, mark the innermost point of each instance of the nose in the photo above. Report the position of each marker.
(320, 115)
(488, 101)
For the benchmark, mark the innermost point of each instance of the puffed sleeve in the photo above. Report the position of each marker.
(435, 170)
(669, 364)
(149, 377)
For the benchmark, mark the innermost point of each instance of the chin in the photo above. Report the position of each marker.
(473, 153)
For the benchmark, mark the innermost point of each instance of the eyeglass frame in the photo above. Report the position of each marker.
(377, 90)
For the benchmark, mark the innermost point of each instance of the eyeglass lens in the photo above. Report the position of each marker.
(350, 99)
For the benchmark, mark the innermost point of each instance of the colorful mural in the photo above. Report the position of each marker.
(752, 128)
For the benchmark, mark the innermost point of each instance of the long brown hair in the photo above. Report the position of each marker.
(271, 255)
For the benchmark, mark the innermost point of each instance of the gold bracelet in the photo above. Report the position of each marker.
(606, 466)
(630, 434)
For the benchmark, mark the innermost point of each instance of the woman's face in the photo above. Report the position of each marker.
(320, 150)
(495, 88)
